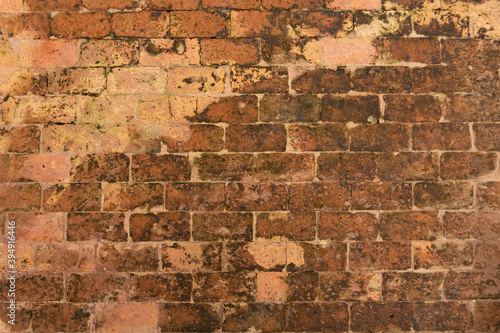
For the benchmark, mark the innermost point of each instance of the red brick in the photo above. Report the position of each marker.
(190, 257)
(97, 287)
(231, 51)
(486, 136)
(186, 138)
(263, 137)
(319, 196)
(412, 108)
(440, 78)
(320, 81)
(471, 225)
(20, 197)
(347, 166)
(443, 195)
(467, 165)
(24, 25)
(317, 317)
(81, 25)
(56, 317)
(38, 168)
(345, 286)
(434, 255)
(258, 23)
(74, 257)
(381, 316)
(20, 82)
(49, 53)
(259, 196)
(471, 285)
(289, 108)
(358, 109)
(127, 257)
(224, 287)
(44, 110)
(322, 23)
(261, 256)
(408, 166)
(404, 226)
(109, 52)
(194, 196)
(487, 316)
(472, 108)
(85, 81)
(488, 195)
(410, 50)
(278, 50)
(174, 226)
(65, 197)
(318, 137)
(442, 23)
(4, 168)
(222, 226)
(110, 4)
(306, 257)
(385, 196)
(38, 227)
(343, 226)
(118, 317)
(141, 24)
(297, 226)
(410, 286)
(284, 167)
(99, 167)
(259, 80)
(51, 5)
(189, 317)
(160, 287)
(150, 167)
(377, 79)
(241, 317)
(479, 53)
(37, 287)
(379, 137)
(199, 24)
(442, 136)
(226, 167)
(374, 256)
(487, 256)
(233, 109)
(124, 197)
(96, 226)
(173, 4)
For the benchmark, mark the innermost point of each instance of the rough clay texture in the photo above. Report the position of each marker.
(251, 165)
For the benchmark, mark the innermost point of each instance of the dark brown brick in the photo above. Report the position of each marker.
(73, 257)
(259, 80)
(224, 287)
(367, 256)
(222, 226)
(472, 108)
(443, 195)
(248, 138)
(410, 286)
(358, 109)
(297, 226)
(284, 167)
(347, 166)
(261, 256)
(320, 81)
(448, 255)
(99, 168)
(318, 137)
(151, 167)
(36, 287)
(317, 317)
(278, 50)
(379, 137)
(488, 195)
(199, 24)
(442, 136)
(306, 257)
(233, 109)
(486, 137)
(61, 317)
(97, 287)
(182, 257)
(385, 196)
(127, 257)
(442, 23)
(471, 285)
(172, 226)
(345, 286)
(381, 316)
(160, 287)
(289, 108)
(20, 197)
(479, 53)
(378, 79)
(302, 286)
(344, 226)
(408, 166)
(81, 25)
(227, 167)
(414, 50)
(382, 23)
(24, 139)
(187, 138)
(124, 197)
(319, 196)
(241, 317)
(471, 225)
(456, 166)
(487, 316)
(412, 108)
(261, 196)
(96, 226)
(439, 78)
(23, 315)
(442, 316)
(194, 196)
(190, 317)
(72, 197)
(322, 23)
(141, 24)
(407, 225)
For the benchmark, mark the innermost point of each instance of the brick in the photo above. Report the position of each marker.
(193, 80)
(443, 195)
(173, 4)
(358, 109)
(25, 259)
(466, 165)
(442, 316)
(412, 108)
(322, 23)
(139, 139)
(289, 108)
(117, 317)
(261, 256)
(258, 23)
(379, 79)
(160, 287)
(96, 226)
(172, 226)
(320, 317)
(4, 168)
(97, 287)
(488, 195)
(81, 25)
(369, 256)
(438, 78)
(408, 166)
(20, 82)
(187, 138)
(346, 166)
(20, 197)
(410, 50)
(70, 138)
(404, 226)
(165, 52)
(472, 108)
(222, 226)
(226, 167)
(486, 137)
(471, 285)
(357, 51)
(60, 317)
(479, 53)
(410, 286)
(9, 54)
(158, 109)
(471, 225)
(145, 80)
(251, 138)
(124, 197)
(11, 5)
(267, 317)
(224, 287)
(127, 257)
(105, 109)
(304, 257)
(188, 317)
(230, 4)
(40, 168)
(37, 287)
(259, 80)
(151, 167)
(381, 23)
(112, 4)
(49, 53)
(379, 137)
(487, 316)
(199, 24)
(256, 196)
(442, 23)
(442, 136)
(231, 51)
(86, 81)
(52, 5)
(109, 53)
(99, 167)
(64, 197)
(39, 227)
(74, 257)
(271, 286)
(23, 312)
(233, 109)
(344, 226)
(302, 286)
(278, 50)
(410, 4)
(43, 110)
(318, 137)
(319, 196)
(345, 286)
(24, 25)
(296, 226)
(191, 257)
(7, 109)
(284, 167)
(434, 255)
(356, 4)
(322, 80)
(381, 316)
(486, 256)
(486, 24)
(141, 24)
(194, 196)
(385, 196)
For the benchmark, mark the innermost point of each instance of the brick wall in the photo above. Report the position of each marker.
(236, 165)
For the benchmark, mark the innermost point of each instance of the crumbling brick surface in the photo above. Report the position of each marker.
(251, 165)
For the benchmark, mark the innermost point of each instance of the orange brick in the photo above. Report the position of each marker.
(109, 52)
(236, 4)
(112, 317)
(51, 5)
(24, 139)
(109, 4)
(71, 138)
(39, 168)
(291, 4)
(9, 54)
(229, 51)
(353, 4)
(173, 4)
(352, 51)
(24, 25)
(193, 80)
(20, 197)
(72, 257)
(105, 109)
(81, 25)
(199, 24)
(166, 52)
(141, 24)
(18, 82)
(39, 227)
(258, 23)
(143, 138)
(86, 81)
(43, 110)
(137, 80)
(7, 109)
(11, 5)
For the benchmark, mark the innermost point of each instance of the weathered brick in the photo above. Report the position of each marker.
(358, 109)
(229, 51)
(43, 110)
(479, 53)
(410, 4)
(256, 196)
(4, 168)
(64, 197)
(38, 287)
(289, 108)
(307, 257)
(261, 256)
(486, 24)
(118, 317)
(317, 317)
(224, 287)
(302, 286)
(199, 24)
(345, 286)
(127, 257)
(368, 256)
(20, 197)
(195, 137)
(162, 109)
(110, 4)
(99, 167)
(438, 255)
(322, 23)
(381, 316)
(488, 195)
(343, 226)
(386, 196)
(346, 166)
(382, 23)
(271, 286)
(160, 287)
(442, 316)
(359, 51)
(378, 79)
(20, 82)
(412, 108)
(233, 4)
(56, 317)
(70, 138)
(97, 287)
(379, 137)
(411, 286)
(267, 317)
(188, 317)
(486, 136)
(52, 5)
(141, 138)
(487, 255)
(439, 78)
(291, 4)
(471, 225)
(442, 23)
(49, 53)
(472, 108)
(173, 226)
(297, 226)
(109, 53)
(24, 25)
(105, 109)
(318, 137)
(487, 316)
(147, 80)
(408, 166)
(409, 50)
(322, 80)
(96, 226)
(74, 257)
(39, 227)
(471, 285)
(25, 259)
(319, 196)
(467, 165)
(23, 310)
(191, 257)
(404, 226)
(442, 136)
(194, 196)
(226, 167)
(11, 5)
(124, 197)
(284, 167)
(259, 80)
(165, 52)
(41, 168)
(443, 195)
(9, 54)
(173, 4)
(278, 50)
(141, 24)
(222, 226)
(81, 25)
(7, 109)
(193, 80)
(86, 81)
(258, 23)
(151, 167)
(251, 138)
(233, 109)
